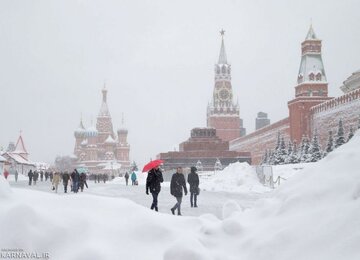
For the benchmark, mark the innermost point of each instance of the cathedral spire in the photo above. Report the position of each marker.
(104, 110)
(311, 34)
(222, 56)
(104, 92)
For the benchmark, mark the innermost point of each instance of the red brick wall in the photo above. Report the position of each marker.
(299, 116)
(326, 116)
(227, 127)
(262, 139)
(204, 145)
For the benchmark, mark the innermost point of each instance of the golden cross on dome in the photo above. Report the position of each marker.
(222, 32)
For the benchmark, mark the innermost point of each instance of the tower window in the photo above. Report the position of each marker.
(223, 69)
(311, 76)
(318, 77)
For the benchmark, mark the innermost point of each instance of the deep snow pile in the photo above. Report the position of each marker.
(287, 171)
(314, 215)
(237, 177)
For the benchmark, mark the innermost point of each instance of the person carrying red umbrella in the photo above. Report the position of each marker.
(153, 181)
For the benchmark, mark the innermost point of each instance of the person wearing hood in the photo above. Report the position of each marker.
(177, 185)
(193, 180)
(133, 178)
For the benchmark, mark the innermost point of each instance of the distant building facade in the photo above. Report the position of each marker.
(18, 157)
(100, 149)
(261, 120)
(203, 147)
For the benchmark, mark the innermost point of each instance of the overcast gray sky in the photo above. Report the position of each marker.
(157, 58)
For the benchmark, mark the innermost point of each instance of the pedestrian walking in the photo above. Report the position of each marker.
(6, 174)
(83, 181)
(153, 184)
(177, 185)
(35, 177)
(30, 175)
(65, 179)
(46, 175)
(133, 178)
(193, 180)
(41, 176)
(127, 178)
(75, 178)
(51, 176)
(56, 181)
(16, 174)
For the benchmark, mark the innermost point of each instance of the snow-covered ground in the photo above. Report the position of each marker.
(314, 214)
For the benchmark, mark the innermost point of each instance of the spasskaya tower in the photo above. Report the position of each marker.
(223, 113)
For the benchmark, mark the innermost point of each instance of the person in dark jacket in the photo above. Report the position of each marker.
(65, 178)
(46, 176)
(177, 185)
(133, 178)
(193, 180)
(127, 178)
(30, 175)
(83, 181)
(153, 181)
(75, 178)
(35, 177)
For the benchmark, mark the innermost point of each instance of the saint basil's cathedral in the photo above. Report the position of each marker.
(99, 149)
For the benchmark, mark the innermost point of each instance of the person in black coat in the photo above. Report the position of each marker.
(193, 180)
(75, 178)
(177, 185)
(153, 181)
(30, 175)
(35, 177)
(82, 182)
(65, 178)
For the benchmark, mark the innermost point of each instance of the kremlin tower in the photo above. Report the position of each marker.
(311, 89)
(223, 113)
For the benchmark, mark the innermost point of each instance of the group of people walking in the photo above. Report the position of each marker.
(76, 180)
(177, 186)
(34, 176)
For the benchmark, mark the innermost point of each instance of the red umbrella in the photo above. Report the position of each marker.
(151, 165)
